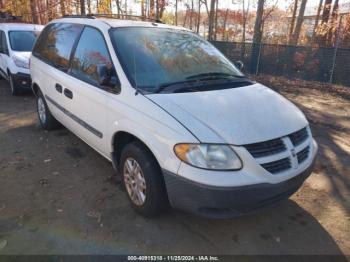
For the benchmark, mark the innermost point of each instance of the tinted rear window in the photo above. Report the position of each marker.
(56, 42)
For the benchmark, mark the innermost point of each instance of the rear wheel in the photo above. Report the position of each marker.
(143, 180)
(46, 119)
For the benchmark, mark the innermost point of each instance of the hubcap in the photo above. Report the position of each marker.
(41, 110)
(134, 181)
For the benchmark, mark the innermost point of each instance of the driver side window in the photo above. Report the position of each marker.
(3, 43)
(90, 54)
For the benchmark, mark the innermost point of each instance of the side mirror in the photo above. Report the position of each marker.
(108, 79)
(239, 64)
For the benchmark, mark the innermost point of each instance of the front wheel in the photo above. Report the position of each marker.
(143, 180)
(13, 86)
(46, 119)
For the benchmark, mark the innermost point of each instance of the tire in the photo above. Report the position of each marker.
(152, 185)
(46, 119)
(13, 86)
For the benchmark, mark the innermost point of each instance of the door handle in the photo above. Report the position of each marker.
(58, 88)
(68, 93)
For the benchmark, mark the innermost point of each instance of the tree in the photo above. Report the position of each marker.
(199, 16)
(296, 33)
(333, 24)
(211, 20)
(62, 7)
(34, 11)
(82, 7)
(317, 20)
(258, 22)
(292, 23)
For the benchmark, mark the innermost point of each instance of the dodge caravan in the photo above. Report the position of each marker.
(179, 121)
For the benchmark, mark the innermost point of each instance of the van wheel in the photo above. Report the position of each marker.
(46, 119)
(143, 180)
(14, 88)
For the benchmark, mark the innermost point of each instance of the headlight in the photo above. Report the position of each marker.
(20, 62)
(208, 156)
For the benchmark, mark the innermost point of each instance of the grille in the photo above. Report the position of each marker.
(299, 137)
(303, 154)
(266, 148)
(277, 166)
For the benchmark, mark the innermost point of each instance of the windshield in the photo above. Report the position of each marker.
(23, 41)
(153, 57)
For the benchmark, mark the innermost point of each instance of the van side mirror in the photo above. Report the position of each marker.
(108, 79)
(239, 64)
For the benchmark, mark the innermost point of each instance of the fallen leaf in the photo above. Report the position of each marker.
(44, 182)
(3, 244)
(47, 160)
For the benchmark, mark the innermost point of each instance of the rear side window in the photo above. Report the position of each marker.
(55, 44)
(91, 52)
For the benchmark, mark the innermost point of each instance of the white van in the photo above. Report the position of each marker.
(178, 120)
(16, 43)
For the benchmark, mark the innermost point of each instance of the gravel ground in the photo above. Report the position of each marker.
(58, 196)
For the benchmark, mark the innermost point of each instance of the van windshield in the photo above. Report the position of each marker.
(156, 57)
(23, 41)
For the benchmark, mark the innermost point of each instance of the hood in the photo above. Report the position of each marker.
(236, 116)
(22, 55)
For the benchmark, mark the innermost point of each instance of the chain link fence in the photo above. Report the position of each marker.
(330, 65)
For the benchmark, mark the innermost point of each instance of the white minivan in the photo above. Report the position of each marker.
(183, 126)
(16, 43)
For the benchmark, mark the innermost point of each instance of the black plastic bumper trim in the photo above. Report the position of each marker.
(228, 202)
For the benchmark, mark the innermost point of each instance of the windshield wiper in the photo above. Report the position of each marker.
(215, 75)
(199, 80)
(162, 87)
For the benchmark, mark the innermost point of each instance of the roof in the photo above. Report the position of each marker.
(21, 26)
(114, 22)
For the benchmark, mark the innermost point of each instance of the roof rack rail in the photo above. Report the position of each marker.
(115, 16)
(78, 16)
(122, 16)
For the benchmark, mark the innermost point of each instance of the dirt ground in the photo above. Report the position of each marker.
(58, 196)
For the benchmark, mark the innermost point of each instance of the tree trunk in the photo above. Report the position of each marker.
(89, 6)
(300, 21)
(34, 11)
(257, 36)
(143, 11)
(333, 28)
(245, 19)
(191, 15)
(292, 23)
(325, 19)
(151, 8)
(317, 20)
(211, 20)
(82, 7)
(62, 7)
(49, 10)
(216, 19)
(258, 23)
(326, 11)
(176, 11)
(199, 17)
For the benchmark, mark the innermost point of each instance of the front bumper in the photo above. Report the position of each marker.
(228, 202)
(22, 80)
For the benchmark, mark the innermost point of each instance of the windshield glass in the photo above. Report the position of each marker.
(154, 57)
(23, 41)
